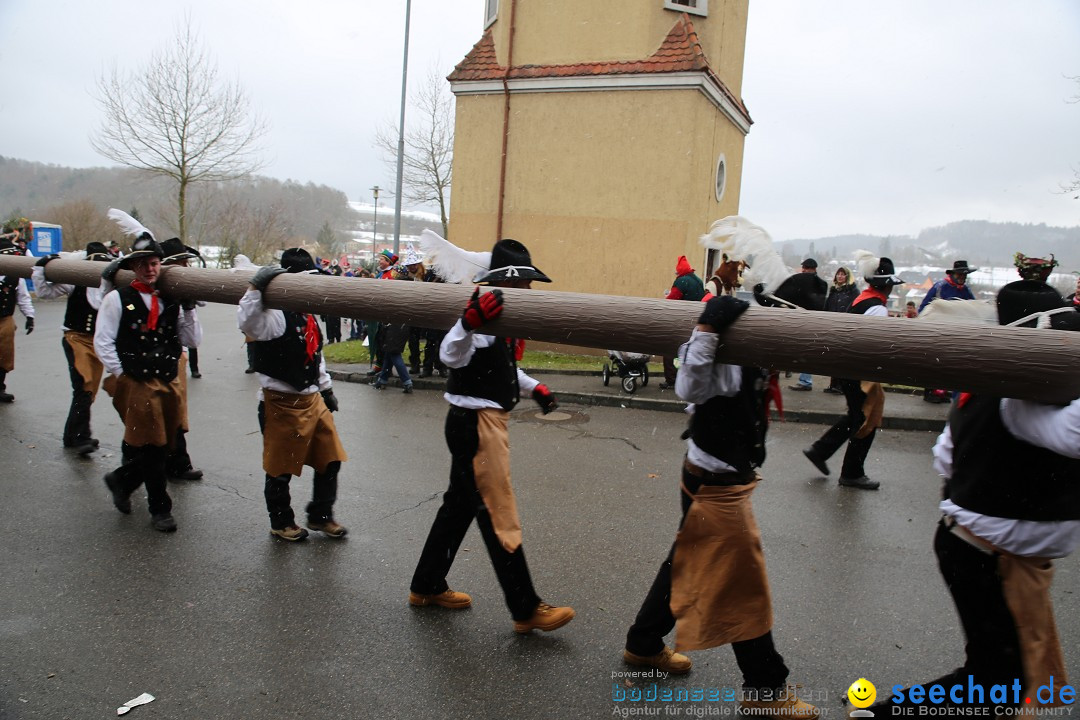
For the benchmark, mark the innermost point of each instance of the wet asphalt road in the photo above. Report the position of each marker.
(219, 620)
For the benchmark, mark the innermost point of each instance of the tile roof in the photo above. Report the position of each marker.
(680, 51)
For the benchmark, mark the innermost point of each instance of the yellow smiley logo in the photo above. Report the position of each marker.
(862, 693)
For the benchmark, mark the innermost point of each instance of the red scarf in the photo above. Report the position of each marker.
(155, 308)
(311, 337)
(871, 293)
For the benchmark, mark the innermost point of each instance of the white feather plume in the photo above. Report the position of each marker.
(866, 263)
(741, 239)
(960, 311)
(243, 262)
(128, 224)
(451, 263)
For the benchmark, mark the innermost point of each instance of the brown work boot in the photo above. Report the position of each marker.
(667, 660)
(546, 618)
(331, 528)
(786, 706)
(447, 599)
(292, 533)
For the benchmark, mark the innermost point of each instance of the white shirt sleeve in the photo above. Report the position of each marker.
(459, 345)
(943, 453)
(1048, 426)
(878, 310)
(700, 377)
(526, 383)
(108, 322)
(189, 329)
(26, 305)
(48, 290)
(256, 321)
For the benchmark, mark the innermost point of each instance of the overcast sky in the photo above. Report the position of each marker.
(880, 117)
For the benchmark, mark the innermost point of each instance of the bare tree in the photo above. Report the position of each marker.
(241, 229)
(177, 119)
(429, 146)
(83, 223)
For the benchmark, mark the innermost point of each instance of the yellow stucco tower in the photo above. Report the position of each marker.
(604, 134)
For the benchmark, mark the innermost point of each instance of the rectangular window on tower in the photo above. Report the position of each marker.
(491, 11)
(694, 7)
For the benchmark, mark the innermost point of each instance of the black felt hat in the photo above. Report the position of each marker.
(174, 251)
(297, 260)
(806, 290)
(97, 251)
(510, 260)
(144, 246)
(1022, 298)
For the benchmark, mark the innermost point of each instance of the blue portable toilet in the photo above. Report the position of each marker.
(45, 239)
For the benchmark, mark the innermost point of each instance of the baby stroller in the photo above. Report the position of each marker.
(630, 367)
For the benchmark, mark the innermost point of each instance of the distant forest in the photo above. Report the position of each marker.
(254, 216)
(979, 242)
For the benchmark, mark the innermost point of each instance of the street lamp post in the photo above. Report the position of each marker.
(374, 224)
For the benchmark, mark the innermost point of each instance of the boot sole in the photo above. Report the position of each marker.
(421, 601)
(639, 661)
(817, 463)
(303, 534)
(525, 627)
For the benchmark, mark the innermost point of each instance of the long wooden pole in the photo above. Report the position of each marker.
(1040, 365)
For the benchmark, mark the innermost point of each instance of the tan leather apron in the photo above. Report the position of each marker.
(719, 590)
(873, 407)
(1025, 583)
(85, 360)
(152, 410)
(7, 343)
(299, 431)
(491, 468)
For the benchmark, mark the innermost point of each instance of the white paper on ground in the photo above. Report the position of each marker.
(141, 700)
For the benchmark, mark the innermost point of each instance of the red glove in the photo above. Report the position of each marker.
(482, 309)
(544, 399)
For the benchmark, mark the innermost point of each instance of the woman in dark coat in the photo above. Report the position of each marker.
(841, 294)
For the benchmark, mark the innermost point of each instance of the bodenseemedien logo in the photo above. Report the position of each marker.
(861, 694)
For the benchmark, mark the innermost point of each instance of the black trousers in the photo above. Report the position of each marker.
(432, 341)
(669, 370)
(762, 666)
(333, 328)
(844, 431)
(992, 647)
(77, 426)
(178, 461)
(461, 504)
(415, 335)
(145, 466)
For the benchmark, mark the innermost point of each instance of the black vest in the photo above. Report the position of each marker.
(862, 306)
(491, 374)
(9, 295)
(79, 316)
(144, 353)
(285, 358)
(732, 429)
(995, 473)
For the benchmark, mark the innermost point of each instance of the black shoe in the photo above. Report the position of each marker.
(863, 483)
(120, 501)
(85, 447)
(425, 373)
(6, 397)
(196, 374)
(800, 388)
(374, 371)
(163, 522)
(377, 385)
(665, 385)
(407, 390)
(249, 370)
(189, 474)
(442, 373)
(414, 371)
(818, 462)
(833, 391)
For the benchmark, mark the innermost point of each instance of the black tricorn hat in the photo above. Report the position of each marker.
(806, 290)
(1022, 298)
(174, 251)
(960, 266)
(883, 276)
(97, 251)
(144, 246)
(510, 260)
(297, 260)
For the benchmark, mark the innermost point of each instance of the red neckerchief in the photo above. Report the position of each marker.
(963, 399)
(311, 337)
(155, 308)
(871, 293)
(772, 395)
(948, 278)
